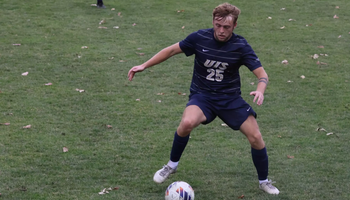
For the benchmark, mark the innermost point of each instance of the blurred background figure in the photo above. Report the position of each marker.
(100, 4)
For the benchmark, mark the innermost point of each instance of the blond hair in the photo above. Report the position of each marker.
(225, 10)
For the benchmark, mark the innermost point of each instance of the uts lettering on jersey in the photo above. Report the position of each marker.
(216, 74)
(216, 64)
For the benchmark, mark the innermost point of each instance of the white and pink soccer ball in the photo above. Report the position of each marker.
(179, 190)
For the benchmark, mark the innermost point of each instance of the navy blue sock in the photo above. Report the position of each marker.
(261, 162)
(179, 145)
(99, 2)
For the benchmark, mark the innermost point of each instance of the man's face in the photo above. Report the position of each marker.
(223, 28)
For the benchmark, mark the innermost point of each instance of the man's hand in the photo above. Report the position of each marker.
(258, 96)
(134, 70)
(161, 56)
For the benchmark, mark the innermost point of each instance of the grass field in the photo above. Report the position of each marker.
(118, 133)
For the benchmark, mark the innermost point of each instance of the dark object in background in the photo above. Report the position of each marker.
(100, 4)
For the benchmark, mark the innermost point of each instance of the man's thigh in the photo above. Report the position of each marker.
(236, 113)
(205, 105)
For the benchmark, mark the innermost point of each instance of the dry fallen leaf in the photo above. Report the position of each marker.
(183, 27)
(224, 125)
(285, 62)
(180, 11)
(25, 73)
(335, 17)
(291, 20)
(241, 197)
(159, 101)
(322, 47)
(283, 8)
(183, 94)
(161, 93)
(290, 157)
(302, 76)
(141, 54)
(48, 84)
(315, 56)
(28, 126)
(321, 63)
(84, 47)
(65, 149)
(6, 124)
(103, 191)
(269, 18)
(329, 133)
(115, 188)
(93, 4)
(116, 27)
(79, 90)
(283, 27)
(320, 129)
(113, 9)
(289, 81)
(137, 99)
(339, 36)
(134, 24)
(102, 27)
(252, 83)
(337, 7)
(16, 44)
(122, 61)
(109, 126)
(119, 14)
(102, 22)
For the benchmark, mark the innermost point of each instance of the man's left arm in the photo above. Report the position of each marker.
(260, 89)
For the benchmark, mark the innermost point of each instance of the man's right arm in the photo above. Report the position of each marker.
(161, 56)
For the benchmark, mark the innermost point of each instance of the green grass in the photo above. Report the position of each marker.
(217, 161)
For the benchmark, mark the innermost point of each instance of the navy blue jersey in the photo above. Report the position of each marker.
(216, 64)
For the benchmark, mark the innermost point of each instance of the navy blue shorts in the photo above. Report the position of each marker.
(231, 110)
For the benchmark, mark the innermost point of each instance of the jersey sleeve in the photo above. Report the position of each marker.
(250, 59)
(188, 44)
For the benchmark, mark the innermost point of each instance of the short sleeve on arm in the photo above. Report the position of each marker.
(188, 44)
(250, 59)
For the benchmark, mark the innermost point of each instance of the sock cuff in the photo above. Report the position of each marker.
(259, 152)
(181, 139)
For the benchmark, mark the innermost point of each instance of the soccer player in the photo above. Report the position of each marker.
(215, 88)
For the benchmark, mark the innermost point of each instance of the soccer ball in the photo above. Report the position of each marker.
(179, 190)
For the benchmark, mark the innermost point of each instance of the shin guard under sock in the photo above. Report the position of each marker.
(261, 162)
(178, 147)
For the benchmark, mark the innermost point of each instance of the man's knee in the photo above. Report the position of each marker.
(256, 140)
(186, 126)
